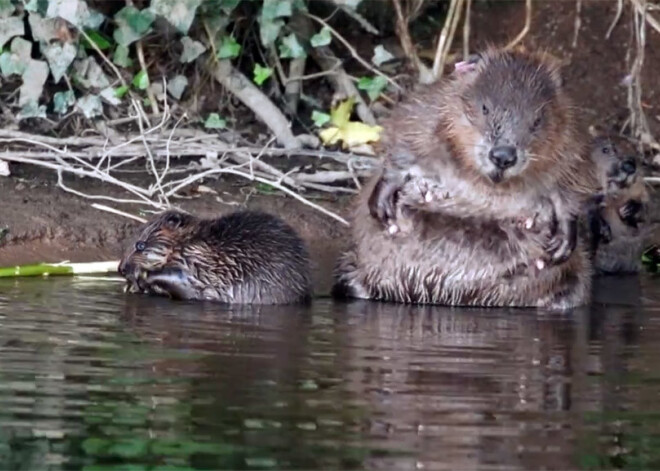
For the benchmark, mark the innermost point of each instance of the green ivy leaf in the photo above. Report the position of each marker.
(59, 57)
(141, 80)
(372, 85)
(62, 101)
(10, 27)
(32, 109)
(120, 57)
(177, 85)
(322, 38)
(191, 49)
(381, 55)
(178, 13)
(16, 59)
(269, 30)
(132, 24)
(272, 9)
(121, 91)
(6, 8)
(229, 48)
(90, 105)
(101, 41)
(320, 118)
(214, 121)
(290, 48)
(261, 73)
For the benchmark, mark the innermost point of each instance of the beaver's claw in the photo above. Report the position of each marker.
(631, 213)
(383, 200)
(562, 243)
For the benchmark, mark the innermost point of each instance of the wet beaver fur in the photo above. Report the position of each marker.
(618, 219)
(497, 149)
(242, 258)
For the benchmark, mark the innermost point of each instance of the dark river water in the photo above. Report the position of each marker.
(91, 378)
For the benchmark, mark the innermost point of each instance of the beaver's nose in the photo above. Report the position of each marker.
(629, 166)
(503, 156)
(124, 268)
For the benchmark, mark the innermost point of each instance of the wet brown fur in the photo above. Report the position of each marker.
(466, 250)
(241, 258)
(619, 226)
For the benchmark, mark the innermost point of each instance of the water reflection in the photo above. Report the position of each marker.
(95, 379)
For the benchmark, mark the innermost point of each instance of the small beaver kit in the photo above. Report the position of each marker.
(485, 175)
(242, 258)
(618, 217)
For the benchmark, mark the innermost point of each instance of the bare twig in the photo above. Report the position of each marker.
(578, 22)
(143, 66)
(446, 37)
(108, 209)
(617, 16)
(466, 30)
(423, 72)
(525, 30)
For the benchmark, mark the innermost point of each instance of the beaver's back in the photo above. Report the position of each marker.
(246, 257)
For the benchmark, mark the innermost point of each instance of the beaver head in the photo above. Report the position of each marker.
(617, 165)
(508, 114)
(155, 246)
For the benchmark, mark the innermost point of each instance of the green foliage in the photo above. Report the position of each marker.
(55, 53)
(322, 38)
(372, 85)
(261, 73)
(99, 40)
(132, 24)
(320, 118)
(121, 91)
(141, 80)
(120, 57)
(179, 13)
(191, 49)
(229, 48)
(290, 48)
(381, 55)
(62, 101)
(214, 121)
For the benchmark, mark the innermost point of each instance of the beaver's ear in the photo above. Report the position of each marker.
(174, 220)
(555, 68)
(469, 65)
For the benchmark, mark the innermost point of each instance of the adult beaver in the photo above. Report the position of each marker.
(499, 142)
(242, 258)
(618, 222)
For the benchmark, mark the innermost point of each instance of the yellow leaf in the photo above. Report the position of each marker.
(351, 133)
(330, 136)
(356, 133)
(340, 114)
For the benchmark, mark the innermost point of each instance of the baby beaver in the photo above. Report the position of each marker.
(618, 219)
(242, 258)
(498, 148)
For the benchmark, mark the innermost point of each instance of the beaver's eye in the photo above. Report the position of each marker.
(485, 110)
(140, 246)
(536, 124)
(606, 150)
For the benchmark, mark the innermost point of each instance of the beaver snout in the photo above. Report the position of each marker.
(124, 268)
(629, 166)
(503, 156)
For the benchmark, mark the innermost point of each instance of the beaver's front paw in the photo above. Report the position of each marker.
(631, 213)
(383, 203)
(561, 243)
